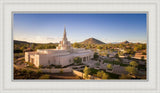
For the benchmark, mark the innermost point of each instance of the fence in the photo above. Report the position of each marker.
(64, 70)
(81, 74)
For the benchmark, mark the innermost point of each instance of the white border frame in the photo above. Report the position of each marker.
(150, 6)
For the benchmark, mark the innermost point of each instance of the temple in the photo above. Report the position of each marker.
(63, 54)
(64, 44)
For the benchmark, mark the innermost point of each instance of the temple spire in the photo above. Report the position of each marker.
(64, 44)
(64, 35)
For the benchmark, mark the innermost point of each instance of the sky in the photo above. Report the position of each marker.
(107, 27)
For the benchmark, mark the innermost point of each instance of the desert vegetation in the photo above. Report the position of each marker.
(108, 54)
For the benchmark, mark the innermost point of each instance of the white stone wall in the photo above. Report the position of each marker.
(66, 60)
(47, 57)
(35, 59)
(27, 56)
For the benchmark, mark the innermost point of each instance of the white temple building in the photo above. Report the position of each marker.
(63, 54)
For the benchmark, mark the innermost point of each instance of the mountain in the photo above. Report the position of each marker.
(25, 42)
(92, 41)
(125, 42)
(18, 42)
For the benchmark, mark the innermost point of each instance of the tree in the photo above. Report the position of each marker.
(129, 57)
(133, 63)
(77, 60)
(97, 64)
(107, 55)
(135, 48)
(116, 56)
(99, 47)
(105, 76)
(143, 53)
(76, 45)
(24, 71)
(86, 72)
(142, 58)
(32, 46)
(131, 70)
(96, 56)
(109, 66)
(100, 74)
(120, 53)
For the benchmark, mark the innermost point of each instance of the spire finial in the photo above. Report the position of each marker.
(64, 28)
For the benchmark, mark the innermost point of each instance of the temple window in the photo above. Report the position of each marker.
(48, 62)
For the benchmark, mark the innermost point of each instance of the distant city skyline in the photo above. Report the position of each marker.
(108, 27)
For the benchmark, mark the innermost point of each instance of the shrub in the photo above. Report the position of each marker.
(131, 70)
(41, 66)
(142, 58)
(31, 65)
(97, 64)
(39, 72)
(107, 55)
(100, 73)
(44, 77)
(52, 65)
(77, 60)
(18, 55)
(129, 57)
(93, 71)
(86, 72)
(105, 76)
(109, 66)
(61, 71)
(49, 67)
(133, 63)
(58, 66)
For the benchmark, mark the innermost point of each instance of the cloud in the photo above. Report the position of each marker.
(38, 39)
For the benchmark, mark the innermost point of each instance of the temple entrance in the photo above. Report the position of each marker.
(84, 59)
(32, 60)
